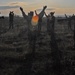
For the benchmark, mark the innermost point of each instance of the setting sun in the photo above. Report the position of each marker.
(35, 20)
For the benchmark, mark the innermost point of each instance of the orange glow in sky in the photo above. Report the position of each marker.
(35, 20)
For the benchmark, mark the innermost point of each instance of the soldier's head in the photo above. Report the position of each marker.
(52, 13)
(11, 12)
(31, 13)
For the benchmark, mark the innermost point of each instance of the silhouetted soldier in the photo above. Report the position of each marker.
(74, 31)
(32, 31)
(31, 28)
(69, 22)
(11, 18)
(40, 19)
(48, 22)
(52, 20)
(39, 23)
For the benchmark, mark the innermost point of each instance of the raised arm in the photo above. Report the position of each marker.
(36, 12)
(45, 14)
(42, 12)
(23, 13)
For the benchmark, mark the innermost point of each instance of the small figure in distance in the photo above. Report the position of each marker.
(52, 20)
(48, 22)
(11, 18)
(69, 20)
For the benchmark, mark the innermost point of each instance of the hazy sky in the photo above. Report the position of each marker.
(59, 6)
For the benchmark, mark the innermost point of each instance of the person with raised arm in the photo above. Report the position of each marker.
(48, 22)
(41, 14)
(33, 23)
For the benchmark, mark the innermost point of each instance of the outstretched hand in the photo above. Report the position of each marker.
(45, 7)
(21, 8)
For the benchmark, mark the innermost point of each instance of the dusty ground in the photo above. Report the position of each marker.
(14, 45)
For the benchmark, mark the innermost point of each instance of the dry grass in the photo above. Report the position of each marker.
(14, 45)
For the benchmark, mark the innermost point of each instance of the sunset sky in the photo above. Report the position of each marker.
(59, 6)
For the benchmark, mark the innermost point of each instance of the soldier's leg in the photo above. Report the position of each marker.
(34, 41)
(12, 25)
(53, 26)
(30, 39)
(70, 26)
(9, 25)
(39, 28)
(47, 27)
